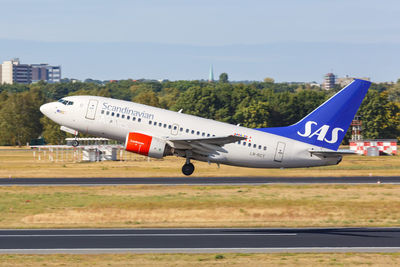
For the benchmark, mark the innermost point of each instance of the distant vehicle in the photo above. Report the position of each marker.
(155, 132)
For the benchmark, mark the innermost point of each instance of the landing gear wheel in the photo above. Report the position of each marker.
(75, 143)
(188, 169)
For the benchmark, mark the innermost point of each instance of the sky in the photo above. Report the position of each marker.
(288, 40)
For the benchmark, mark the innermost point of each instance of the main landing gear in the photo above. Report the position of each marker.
(187, 168)
(75, 143)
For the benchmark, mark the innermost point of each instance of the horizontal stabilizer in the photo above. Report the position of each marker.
(330, 153)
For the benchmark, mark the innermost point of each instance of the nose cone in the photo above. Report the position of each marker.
(46, 109)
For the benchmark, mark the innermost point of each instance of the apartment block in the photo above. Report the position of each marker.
(45, 72)
(12, 71)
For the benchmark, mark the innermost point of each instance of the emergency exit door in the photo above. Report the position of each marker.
(280, 151)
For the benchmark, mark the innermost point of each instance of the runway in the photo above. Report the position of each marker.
(198, 181)
(200, 240)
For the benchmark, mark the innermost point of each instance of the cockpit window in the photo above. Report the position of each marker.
(66, 102)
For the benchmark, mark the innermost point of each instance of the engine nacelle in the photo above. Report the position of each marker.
(145, 145)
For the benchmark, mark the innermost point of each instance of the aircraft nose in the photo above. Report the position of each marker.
(46, 108)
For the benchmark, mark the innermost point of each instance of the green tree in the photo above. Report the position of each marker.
(148, 98)
(168, 97)
(19, 118)
(302, 103)
(254, 116)
(394, 92)
(199, 101)
(223, 77)
(269, 80)
(380, 117)
(51, 132)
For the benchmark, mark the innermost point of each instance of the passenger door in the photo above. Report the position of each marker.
(91, 110)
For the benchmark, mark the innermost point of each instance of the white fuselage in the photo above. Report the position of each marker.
(114, 119)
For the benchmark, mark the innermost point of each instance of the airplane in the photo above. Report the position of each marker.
(156, 132)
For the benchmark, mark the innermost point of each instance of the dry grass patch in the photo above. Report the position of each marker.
(200, 206)
(225, 259)
(20, 163)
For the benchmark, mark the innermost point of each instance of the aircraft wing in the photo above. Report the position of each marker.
(330, 153)
(204, 145)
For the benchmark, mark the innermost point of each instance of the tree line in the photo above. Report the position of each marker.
(253, 105)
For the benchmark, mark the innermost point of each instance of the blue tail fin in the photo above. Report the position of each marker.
(327, 125)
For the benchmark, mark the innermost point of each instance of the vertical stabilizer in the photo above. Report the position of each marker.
(327, 125)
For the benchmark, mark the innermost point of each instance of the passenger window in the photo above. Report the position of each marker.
(112, 114)
(128, 117)
(254, 146)
(259, 147)
(213, 135)
(265, 148)
(108, 113)
(208, 135)
(155, 123)
(102, 111)
(244, 143)
(160, 124)
(192, 131)
(117, 115)
(133, 118)
(187, 130)
(169, 126)
(175, 127)
(181, 129)
(239, 142)
(165, 126)
(249, 144)
(198, 132)
(122, 116)
(150, 122)
(139, 120)
(203, 134)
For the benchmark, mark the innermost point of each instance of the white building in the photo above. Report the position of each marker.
(7, 72)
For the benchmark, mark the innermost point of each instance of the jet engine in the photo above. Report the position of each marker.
(145, 145)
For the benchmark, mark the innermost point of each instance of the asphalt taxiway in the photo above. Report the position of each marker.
(199, 181)
(200, 240)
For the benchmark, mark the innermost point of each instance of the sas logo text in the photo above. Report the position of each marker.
(321, 132)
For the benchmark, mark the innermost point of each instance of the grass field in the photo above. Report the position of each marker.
(21, 163)
(196, 206)
(228, 259)
(200, 206)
